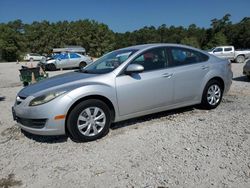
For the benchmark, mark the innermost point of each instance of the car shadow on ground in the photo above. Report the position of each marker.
(126, 123)
(155, 116)
(241, 79)
(46, 139)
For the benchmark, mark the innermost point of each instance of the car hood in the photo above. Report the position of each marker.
(50, 61)
(67, 81)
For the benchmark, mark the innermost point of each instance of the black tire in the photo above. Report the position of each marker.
(240, 59)
(248, 76)
(204, 102)
(72, 120)
(82, 64)
(51, 67)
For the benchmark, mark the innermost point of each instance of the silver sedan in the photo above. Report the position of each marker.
(66, 60)
(123, 84)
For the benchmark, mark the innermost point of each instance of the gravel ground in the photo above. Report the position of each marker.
(188, 147)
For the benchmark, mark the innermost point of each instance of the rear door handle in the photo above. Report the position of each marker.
(204, 67)
(167, 75)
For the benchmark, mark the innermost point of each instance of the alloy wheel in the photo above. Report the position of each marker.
(213, 94)
(91, 121)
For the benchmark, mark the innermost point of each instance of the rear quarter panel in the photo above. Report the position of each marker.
(218, 68)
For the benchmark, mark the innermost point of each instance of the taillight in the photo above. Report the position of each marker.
(229, 65)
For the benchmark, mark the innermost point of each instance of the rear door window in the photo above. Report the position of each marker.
(228, 49)
(63, 56)
(184, 56)
(74, 55)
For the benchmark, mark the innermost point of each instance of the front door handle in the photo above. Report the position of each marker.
(204, 67)
(167, 75)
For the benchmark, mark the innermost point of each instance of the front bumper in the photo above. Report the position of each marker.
(40, 119)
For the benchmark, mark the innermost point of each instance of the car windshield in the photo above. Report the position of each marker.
(108, 62)
(210, 50)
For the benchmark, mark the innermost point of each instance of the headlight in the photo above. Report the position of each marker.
(45, 98)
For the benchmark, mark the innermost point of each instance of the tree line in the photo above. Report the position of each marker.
(17, 38)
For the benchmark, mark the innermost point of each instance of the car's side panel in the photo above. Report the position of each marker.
(144, 91)
(188, 81)
(214, 70)
(74, 60)
(155, 110)
(218, 69)
(228, 53)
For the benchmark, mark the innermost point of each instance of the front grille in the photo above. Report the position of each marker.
(32, 123)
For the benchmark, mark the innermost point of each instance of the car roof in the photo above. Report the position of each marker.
(144, 46)
(223, 46)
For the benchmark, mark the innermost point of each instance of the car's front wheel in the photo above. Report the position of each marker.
(51, 67)
(212, 95)
(89, 120)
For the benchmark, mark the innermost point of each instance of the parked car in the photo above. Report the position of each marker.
(228, 52)
(246, 69)
(65, 60)
(123, 84)
(33, 57)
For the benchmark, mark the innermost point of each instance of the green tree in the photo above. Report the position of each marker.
(17, 38)
(11, 40)
(191, 41)
(218, 39)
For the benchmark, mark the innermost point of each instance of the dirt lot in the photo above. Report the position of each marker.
(182, 148)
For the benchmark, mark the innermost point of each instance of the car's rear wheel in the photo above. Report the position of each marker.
(248, 76)
(89, 120)
(240, 59)
(51, 67)
(82, 64)
(212, 95)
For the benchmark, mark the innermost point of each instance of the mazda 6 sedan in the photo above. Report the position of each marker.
(123, 84)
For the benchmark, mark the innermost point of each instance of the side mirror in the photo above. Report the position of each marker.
(134, 68)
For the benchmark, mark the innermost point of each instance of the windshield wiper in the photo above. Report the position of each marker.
(86, 71)
(83, 71)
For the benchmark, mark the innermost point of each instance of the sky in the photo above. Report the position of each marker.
(125, 15)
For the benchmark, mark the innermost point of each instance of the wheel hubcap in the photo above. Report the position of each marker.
(240, 59)
(213, 94)
(91, 121)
